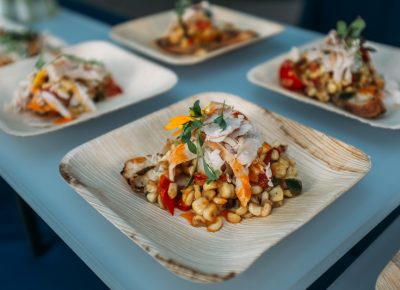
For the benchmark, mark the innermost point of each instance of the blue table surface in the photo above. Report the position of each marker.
(30, 166)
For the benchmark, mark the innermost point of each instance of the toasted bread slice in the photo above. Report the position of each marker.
(366, 106)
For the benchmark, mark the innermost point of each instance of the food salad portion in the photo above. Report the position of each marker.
(217, 168)
(64, 88)
(339, 71)
(197, 32)
(16, 45)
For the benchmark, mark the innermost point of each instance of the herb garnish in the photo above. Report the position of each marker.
(220, 119)
(212, 175)
(190, 134)
(352, 32)
(180, 7)
(351, 37)
(195, 111)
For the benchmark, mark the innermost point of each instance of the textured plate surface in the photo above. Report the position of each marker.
(327, 167)
(141, 33)
(139, 78)
(386, 60)
(389, 279)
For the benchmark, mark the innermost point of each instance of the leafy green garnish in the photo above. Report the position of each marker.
(188, 128)
(195, 111)
(181, 6)
(220, 119)
(212, 175)
(192, 147)
(294, 185)
(193, 128)
(350, 32)
(341, 28)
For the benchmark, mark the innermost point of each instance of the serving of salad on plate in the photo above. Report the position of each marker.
(64, 88)
(18, 43)
(196, 31)
(339, 70)
(217, 168)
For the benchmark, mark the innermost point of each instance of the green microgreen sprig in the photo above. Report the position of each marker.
(180, 7)
(220, 119)
(193, 128)
(352, 32)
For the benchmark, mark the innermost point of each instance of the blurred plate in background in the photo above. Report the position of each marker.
(140, 34)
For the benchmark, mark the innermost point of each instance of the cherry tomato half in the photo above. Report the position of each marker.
(112, 89)
(289, 78)
(163, 190)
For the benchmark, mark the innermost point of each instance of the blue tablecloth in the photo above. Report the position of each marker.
(30, 165)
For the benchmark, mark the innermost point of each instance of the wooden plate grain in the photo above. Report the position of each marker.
(327, 167)
(389, 279)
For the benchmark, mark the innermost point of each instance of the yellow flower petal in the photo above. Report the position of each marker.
(178, 121)
(176, 133)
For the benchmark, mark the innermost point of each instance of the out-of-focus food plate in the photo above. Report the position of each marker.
(327, 167)
(140, 34)
(386, 60)
(140, 79)
(50, 41)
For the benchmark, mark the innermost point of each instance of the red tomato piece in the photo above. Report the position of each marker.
(112, 89)
(289, 78)
(182, 206)
(200, 178)
(222, 178)
(203, 24)
(163, 186)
